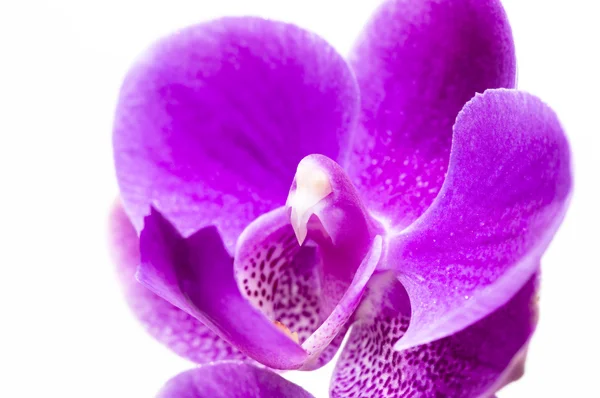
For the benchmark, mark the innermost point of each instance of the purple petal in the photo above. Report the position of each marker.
(173, 327)
(230, 380)
(417, 63)
(505, 195)
(212, 121)
(286, 282)
(196, 275)
(467, 364)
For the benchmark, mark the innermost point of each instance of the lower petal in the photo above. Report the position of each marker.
(196, 275)
(178, 330)
(230, 380)
(467, 364)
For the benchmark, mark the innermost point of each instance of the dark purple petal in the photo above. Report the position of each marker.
(505, 195)
(173, 327)
(230, 380)
(417, 63)
(468, 364)
(196, 275)
(286, 282)
(212, 121)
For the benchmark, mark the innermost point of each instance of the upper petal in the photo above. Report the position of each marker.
(195, 274)
(230, 380)
(178, 330)
(505, 195)
(212, 121)
(417, 63)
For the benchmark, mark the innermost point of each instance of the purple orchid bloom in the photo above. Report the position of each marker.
(424, 191)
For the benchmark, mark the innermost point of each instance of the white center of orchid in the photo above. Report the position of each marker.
(312, 186)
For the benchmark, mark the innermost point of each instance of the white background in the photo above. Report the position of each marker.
(64, 328)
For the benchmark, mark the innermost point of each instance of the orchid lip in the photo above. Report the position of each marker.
(305, 265)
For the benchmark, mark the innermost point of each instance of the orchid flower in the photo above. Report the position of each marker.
(275, 194)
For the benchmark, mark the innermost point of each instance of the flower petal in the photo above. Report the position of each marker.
(173, 327)
(196, 275)
(230, 380)
(505, 195)
(417, 63)
(212, 121)
(288, 283)
(466, 364)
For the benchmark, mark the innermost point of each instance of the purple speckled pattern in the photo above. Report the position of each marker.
(466, 364)
(278, 276)
(230, 379)
(279, 190)
(177, 329)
